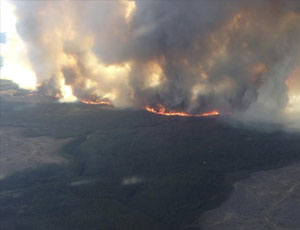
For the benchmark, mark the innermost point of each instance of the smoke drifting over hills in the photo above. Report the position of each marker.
(232, 56)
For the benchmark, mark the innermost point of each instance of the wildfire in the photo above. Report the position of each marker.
(90, 102)
(161, 110)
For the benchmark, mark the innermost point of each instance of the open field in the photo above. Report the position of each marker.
(18, 153)
(266, 200)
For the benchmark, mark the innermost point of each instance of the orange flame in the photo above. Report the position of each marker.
(161, 110)
(90, 102)
(57, 96)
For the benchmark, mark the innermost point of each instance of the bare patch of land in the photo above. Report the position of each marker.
(267, 200)
(18, 152)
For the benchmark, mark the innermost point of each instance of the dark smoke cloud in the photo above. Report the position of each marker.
(234, 56)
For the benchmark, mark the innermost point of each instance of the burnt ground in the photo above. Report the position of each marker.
(129, 169)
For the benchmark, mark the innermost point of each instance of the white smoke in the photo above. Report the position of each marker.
(196, 56)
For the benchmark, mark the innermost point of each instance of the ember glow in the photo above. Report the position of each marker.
(161, 110)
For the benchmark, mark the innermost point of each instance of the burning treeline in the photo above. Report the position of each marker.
(184, 56)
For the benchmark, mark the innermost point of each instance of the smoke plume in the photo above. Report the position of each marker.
(241, 57)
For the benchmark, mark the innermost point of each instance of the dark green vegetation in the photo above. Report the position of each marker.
(130, 169)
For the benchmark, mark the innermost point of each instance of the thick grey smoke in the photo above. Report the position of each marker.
(196, 56)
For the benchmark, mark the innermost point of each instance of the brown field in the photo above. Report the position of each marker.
(265, 200)
(18, 152)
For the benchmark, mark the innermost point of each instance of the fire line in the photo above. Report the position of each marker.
(89, 102)
(161, 110)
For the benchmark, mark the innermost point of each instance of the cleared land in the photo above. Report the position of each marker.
(265, 200)
(18, 152)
